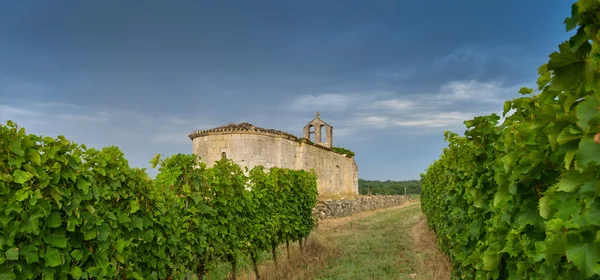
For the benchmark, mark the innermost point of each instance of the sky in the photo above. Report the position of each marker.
(389, 76)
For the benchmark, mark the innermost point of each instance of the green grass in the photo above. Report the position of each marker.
(244, 265)
(374, 247)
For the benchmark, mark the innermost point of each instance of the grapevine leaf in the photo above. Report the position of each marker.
(571, 181)
(585, 112)
(48, 275)
(135, 206)
(123, 218)
(103, 232)
(583, 254)
(525, 90)
(204, 209)
(77, 254)
(12, 254)
(568, 67)
(137, 276)
(89, 234)
(527, 218)
(569, 101)
(73, 163)
(90, 208)
(72, 222)
(56, 239)
(21, 177)
(30, 253)
(569, 158)
(54, 220)
(76, 272)
(138, 223)
(84, 186)
(553, 247)
(155, 160)
(542, 69)
(119, 245)
(576, 41)
(490, 261)
(545, 207)
(571, 22)
(507, 106)
(22, 194)
(34, 156)
(543, 80)
(7, 275)
(567, 134)
(52, 257)
(15, 147)
(57, 195)
(588, 152)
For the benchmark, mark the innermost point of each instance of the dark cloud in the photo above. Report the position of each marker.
(217, 62)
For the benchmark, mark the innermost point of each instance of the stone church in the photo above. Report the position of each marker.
(249, 146)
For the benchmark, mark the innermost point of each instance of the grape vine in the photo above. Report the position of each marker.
(67, 211)
(521, 199)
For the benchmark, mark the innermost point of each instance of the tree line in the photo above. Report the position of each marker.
(376, 187)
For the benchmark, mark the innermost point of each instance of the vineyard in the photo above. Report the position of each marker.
(68, 211)
(521, 199)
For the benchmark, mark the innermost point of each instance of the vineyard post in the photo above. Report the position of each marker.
(254, 264)
(274, 253)
(287, 246)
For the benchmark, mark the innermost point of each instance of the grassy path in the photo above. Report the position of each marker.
(391, 243)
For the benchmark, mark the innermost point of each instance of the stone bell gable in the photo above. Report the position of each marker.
(316, 127)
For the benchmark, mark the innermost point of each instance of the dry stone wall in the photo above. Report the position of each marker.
(249, 146)
(345, 207)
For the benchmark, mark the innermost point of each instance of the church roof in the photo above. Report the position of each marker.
(317, 117)
(232, 128)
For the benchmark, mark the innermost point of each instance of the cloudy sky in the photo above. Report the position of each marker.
(390, 76)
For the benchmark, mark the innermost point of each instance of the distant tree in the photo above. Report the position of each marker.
(388, 187)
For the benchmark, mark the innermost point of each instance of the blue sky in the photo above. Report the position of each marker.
(389, 76)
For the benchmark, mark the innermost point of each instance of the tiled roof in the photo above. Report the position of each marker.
(231, 127)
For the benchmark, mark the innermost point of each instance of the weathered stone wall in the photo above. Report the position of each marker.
(246, 149)
(336, 173)
(346, 207)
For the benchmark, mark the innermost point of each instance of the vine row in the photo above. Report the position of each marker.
(521, 199)
(68, 211)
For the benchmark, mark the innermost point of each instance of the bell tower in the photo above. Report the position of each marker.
(316, 127)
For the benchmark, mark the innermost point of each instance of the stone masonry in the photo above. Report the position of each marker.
(346, 207)
(249, 146)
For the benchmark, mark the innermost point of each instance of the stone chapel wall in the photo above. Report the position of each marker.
(336, 173)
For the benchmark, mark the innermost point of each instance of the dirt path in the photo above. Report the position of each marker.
(391, 243)
(334, 223)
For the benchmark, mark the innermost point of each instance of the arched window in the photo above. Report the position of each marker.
(311, 133)
(322, 133)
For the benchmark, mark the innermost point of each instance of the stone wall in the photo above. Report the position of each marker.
(346, 207)
(249, 147)
(336, 173)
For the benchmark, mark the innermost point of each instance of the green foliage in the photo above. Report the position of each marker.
(62, 207)
(343, 151)
(281, 207)
(521, 199)
(71, 212)
(374, 187)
